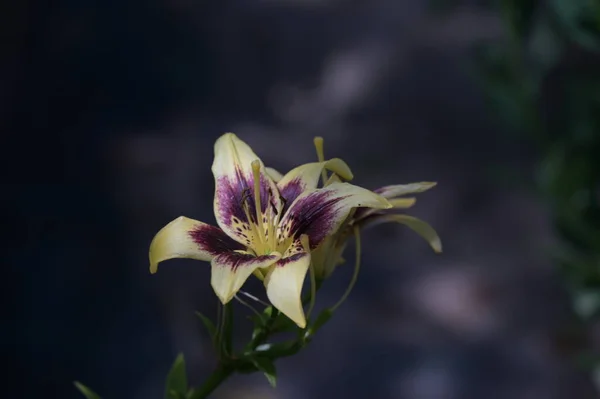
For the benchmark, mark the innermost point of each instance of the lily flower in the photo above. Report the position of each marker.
(328, 255)
(264, 228)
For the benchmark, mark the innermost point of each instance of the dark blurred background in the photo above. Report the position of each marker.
(109, 111)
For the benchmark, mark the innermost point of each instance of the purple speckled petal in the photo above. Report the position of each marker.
(231, 269)
(189, 238)
(234, 188)
(320, 212)
(306, 177)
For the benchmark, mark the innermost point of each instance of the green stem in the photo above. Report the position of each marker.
(356, 270)
(264, 333)
(313, 291)
(221, 373)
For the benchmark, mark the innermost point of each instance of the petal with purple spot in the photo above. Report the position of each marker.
(320, 212)
(231, 270)
(189, 238)
(235, 203)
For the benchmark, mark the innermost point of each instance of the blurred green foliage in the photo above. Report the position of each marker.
(543, 80)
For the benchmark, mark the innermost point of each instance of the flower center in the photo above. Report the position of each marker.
(266, 234)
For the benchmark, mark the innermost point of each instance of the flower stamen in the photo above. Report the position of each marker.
(253, 228)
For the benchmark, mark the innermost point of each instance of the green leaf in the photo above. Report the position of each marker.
(176, 386)
(267, 367)
(519, 15)
(277, 350)
(209, 325)
(227, 343)
(88, 393)
(322, 318)
(580, 21)
(283, 323)
(546, 45)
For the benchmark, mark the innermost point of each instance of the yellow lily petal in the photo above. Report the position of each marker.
(235, 203)
(332, 179)
(417, 225)
(306, 177)
(328, 255)
(231, 270)
(402, 203)
(319, 213)
(398, 190)
(284, 286)
(188, 238)
(397, 203)
(273, 174)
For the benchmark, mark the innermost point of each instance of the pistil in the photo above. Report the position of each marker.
(258, 206)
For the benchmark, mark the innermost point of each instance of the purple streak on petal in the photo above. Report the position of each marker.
(292, 258)
(314, 215)
(233, 193)
(291, 191)
(235, 260)
(213, 240)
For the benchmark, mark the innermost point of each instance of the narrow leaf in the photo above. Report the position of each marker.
(88, 393)
(209, 325)
(227, 329)
(176, 385)
(322, 318)
(280, 349)
(267, 367)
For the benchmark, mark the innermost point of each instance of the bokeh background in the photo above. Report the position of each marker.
(109, 111)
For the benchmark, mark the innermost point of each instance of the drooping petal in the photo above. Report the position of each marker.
(235, 204)
(392, 193)
(397, 203)
(284, 285)
(402, 203)
(417, 225)
(274, 174)
(231, 270)
(306, 177)
(398, 190)
(328, 255)
(320, 212)
(189, 238)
